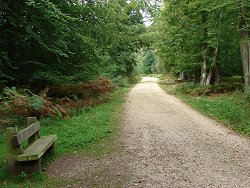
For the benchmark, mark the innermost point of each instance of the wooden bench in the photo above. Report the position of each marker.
(28, 160)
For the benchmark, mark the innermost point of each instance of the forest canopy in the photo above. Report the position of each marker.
(67, 41)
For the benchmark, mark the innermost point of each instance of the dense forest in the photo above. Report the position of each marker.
(56, 42)
(204, 40)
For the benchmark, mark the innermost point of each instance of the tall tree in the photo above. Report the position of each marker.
(244, 26)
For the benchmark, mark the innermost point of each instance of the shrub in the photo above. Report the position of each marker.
(232, 79)
(120, 81)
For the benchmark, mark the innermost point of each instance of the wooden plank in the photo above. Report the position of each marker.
(25, 134)
(41, 149)
(37, 149)
(34, 137)
(32, 152)
(25, 154)
(31, 120)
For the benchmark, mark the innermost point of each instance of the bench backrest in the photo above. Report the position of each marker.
(31, 132)
(26, 133)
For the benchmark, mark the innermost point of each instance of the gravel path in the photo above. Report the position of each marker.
(166, 144)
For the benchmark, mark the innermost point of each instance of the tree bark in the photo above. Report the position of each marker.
(212, 68)
(245, 42)
(214, 73)
(204, 70)
(245, 55)
(204, 49)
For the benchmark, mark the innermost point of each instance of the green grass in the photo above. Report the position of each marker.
(85, 132)
(232, 109)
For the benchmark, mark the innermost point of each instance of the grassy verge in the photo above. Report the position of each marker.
(80, 133)
(232, 109)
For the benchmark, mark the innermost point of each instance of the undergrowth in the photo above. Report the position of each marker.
(194, 89)
(55, 101)
(225, 102)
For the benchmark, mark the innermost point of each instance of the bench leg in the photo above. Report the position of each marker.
(14, 167)
(31, 166)
(26, 167)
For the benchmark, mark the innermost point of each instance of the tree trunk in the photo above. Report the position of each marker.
(204, 71)
(211, 73)
(245, 55)
(245, 42)
(181, 76)
(214, 71)
(204, 49)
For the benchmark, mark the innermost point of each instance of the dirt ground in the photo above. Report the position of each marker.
(163, 143)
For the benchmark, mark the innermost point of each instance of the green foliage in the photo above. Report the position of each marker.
(57, 42)
(186, 32)
(197, 90)
(36, 27)
(35, 102)
(120, 81)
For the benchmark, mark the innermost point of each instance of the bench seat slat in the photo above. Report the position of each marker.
(26, 133)
(37, 149)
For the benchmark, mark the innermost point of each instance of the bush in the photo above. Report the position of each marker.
(232, 79)
(120, 81)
